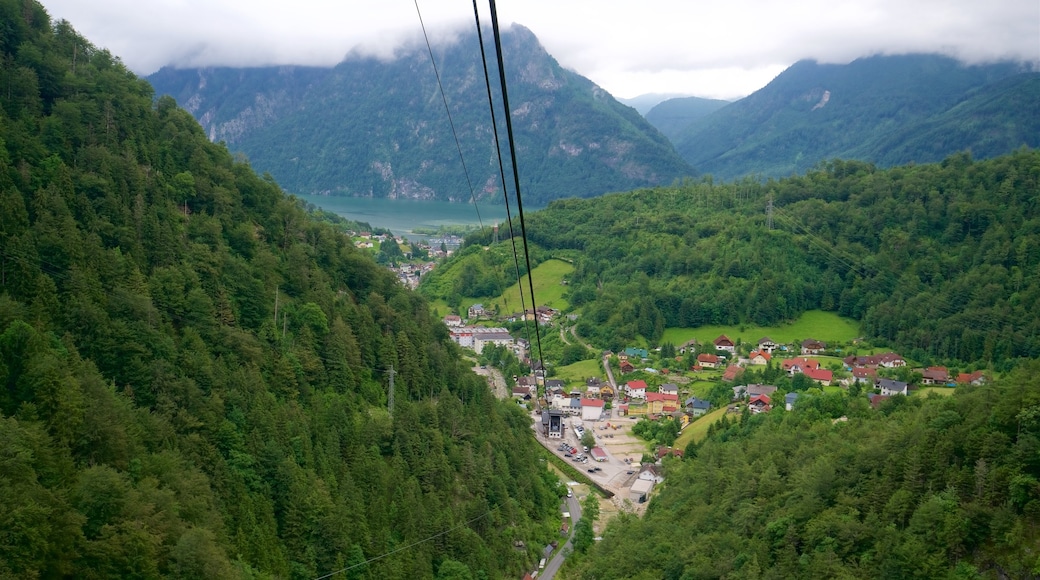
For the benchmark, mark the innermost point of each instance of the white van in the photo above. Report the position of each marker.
(541, 565)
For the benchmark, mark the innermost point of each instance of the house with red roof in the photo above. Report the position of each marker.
(759, 357)
(865, 375)
(760, 404)
(732, 372)
(723, 342)
(935, 376)
(658, 402)
(636, 389)
(799, 364)
(708, 361)
(591, 409)
(888, 360)
(975, 378)
(822, 376)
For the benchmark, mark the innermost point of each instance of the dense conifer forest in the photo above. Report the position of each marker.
(194, 370)
(943, 487)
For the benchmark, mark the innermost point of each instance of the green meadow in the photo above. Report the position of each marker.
(548, 289)
(826, 326)
(575, 374)
(698, 430)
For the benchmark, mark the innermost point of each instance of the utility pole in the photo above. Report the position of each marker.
(390, 397)
(769, 212)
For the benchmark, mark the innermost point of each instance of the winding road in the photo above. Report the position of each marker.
(553, 566)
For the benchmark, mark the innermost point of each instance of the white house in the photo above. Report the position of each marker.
(591, 409)
(636, 389)
(892, 387)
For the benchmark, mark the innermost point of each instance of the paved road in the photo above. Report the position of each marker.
(572, 505)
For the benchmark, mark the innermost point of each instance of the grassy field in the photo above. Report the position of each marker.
(826, 326)
(700, 389)
(698, 430)
(575, 374)
(944, 391)
(548, 289)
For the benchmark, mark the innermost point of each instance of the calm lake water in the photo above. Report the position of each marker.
(403, 216)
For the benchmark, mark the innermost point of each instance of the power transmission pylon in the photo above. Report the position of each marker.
(390, 397)
(769, 213)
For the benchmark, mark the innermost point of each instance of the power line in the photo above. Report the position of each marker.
(412, 545)
(502, 178)
(447, 110)
(516, 175)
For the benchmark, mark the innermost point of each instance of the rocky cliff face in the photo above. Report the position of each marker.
(368, 127)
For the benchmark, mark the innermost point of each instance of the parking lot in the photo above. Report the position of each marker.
(623, 452)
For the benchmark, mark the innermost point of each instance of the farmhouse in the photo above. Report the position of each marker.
(708, 361)
(935, 376)
(759, 357)
(813, 346)
(887, 360)
(760, 404)
(723, 342)
(822, 376)
(892, 387)
(767, 344)
(975, 378)
(800, 364)
(732, 372)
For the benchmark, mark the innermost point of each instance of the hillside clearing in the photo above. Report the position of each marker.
(826, 326)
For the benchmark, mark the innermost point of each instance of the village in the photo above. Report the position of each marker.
(592, 424)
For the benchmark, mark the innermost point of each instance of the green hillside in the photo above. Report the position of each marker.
(939, 261)
(671, 117)
(937, 487)
(195, 370)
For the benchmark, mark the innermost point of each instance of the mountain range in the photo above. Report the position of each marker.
(378, 128)
(887, 110)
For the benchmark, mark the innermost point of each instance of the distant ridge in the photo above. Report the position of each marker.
(374, 128)
(644, 103)
(884, 109)
(672, 116)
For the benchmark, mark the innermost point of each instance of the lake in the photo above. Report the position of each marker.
(403, 216)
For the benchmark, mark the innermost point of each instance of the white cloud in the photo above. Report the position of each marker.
(720, 49)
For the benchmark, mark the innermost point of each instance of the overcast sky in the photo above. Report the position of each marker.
(719, 48)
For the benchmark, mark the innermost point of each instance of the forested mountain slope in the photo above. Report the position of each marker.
(673, 116)
(921, 488)
(377, 128)
(194, 371)
(941, 260)
(887, 110)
